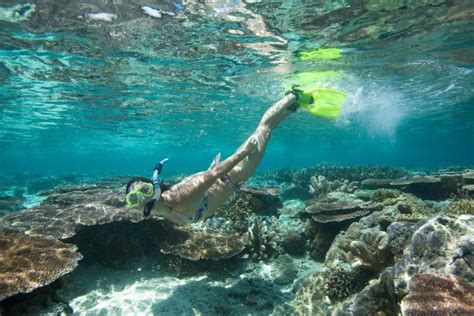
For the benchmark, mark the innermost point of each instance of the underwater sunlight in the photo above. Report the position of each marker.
(237, 157)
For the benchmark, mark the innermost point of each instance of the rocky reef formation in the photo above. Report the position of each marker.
(370, 263)
(195, 244)
(369, 267)
(438, 295)
(340, 211)
(28, 262)
(263, 242)
(438, 186)
(95, 218)
(69, 207)
(376, 244)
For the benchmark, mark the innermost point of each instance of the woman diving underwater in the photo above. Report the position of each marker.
(198, 196)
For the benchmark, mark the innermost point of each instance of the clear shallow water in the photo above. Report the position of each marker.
(113, 97)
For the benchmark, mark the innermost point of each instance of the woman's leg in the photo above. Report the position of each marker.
(192, 188)
(242, 163)
(270, 120)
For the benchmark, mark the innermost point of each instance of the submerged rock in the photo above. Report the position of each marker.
(284, 270)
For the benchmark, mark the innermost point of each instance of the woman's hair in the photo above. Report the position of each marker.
(163, 186)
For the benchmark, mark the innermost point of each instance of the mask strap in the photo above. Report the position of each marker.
(148, 207)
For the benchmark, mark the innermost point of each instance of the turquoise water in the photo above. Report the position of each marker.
(113, 97)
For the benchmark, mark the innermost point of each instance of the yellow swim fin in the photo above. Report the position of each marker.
(321, 54)
(321, 102)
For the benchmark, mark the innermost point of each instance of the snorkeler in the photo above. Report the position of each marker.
(198, 196)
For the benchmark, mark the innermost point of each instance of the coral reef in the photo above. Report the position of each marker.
(432, 294)
(242, 206)
(70, 207)
(467, 190)
(332, 217)
(374, 184)
(362, 257)
(381, 195)
(250, 295)
(10, 204)
(358, 173)
(425, 187)
(409, 207)
(239, 210)
(339, 211)
(439, 187)
(399, 236)
(345, 179)
(290, 228)
(443, 245)
(361, 247)
(339, 281)
(371, 251)
(120, 244)
(377, 298)
(468, 177)
(462, 206)
(263, 241)
(284, 270)
(196, 244)
(321, 237)
(308, 299)
(29, 262)
(361, 252)
(319, 185)
(364, 194)
(293, 242)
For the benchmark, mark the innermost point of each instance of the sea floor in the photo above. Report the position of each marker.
(314, 241)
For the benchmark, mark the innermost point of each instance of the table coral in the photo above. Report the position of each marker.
(28, 262)
(432, 294)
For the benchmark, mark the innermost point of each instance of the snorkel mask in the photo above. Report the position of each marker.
(146, 190)
(136, 196)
